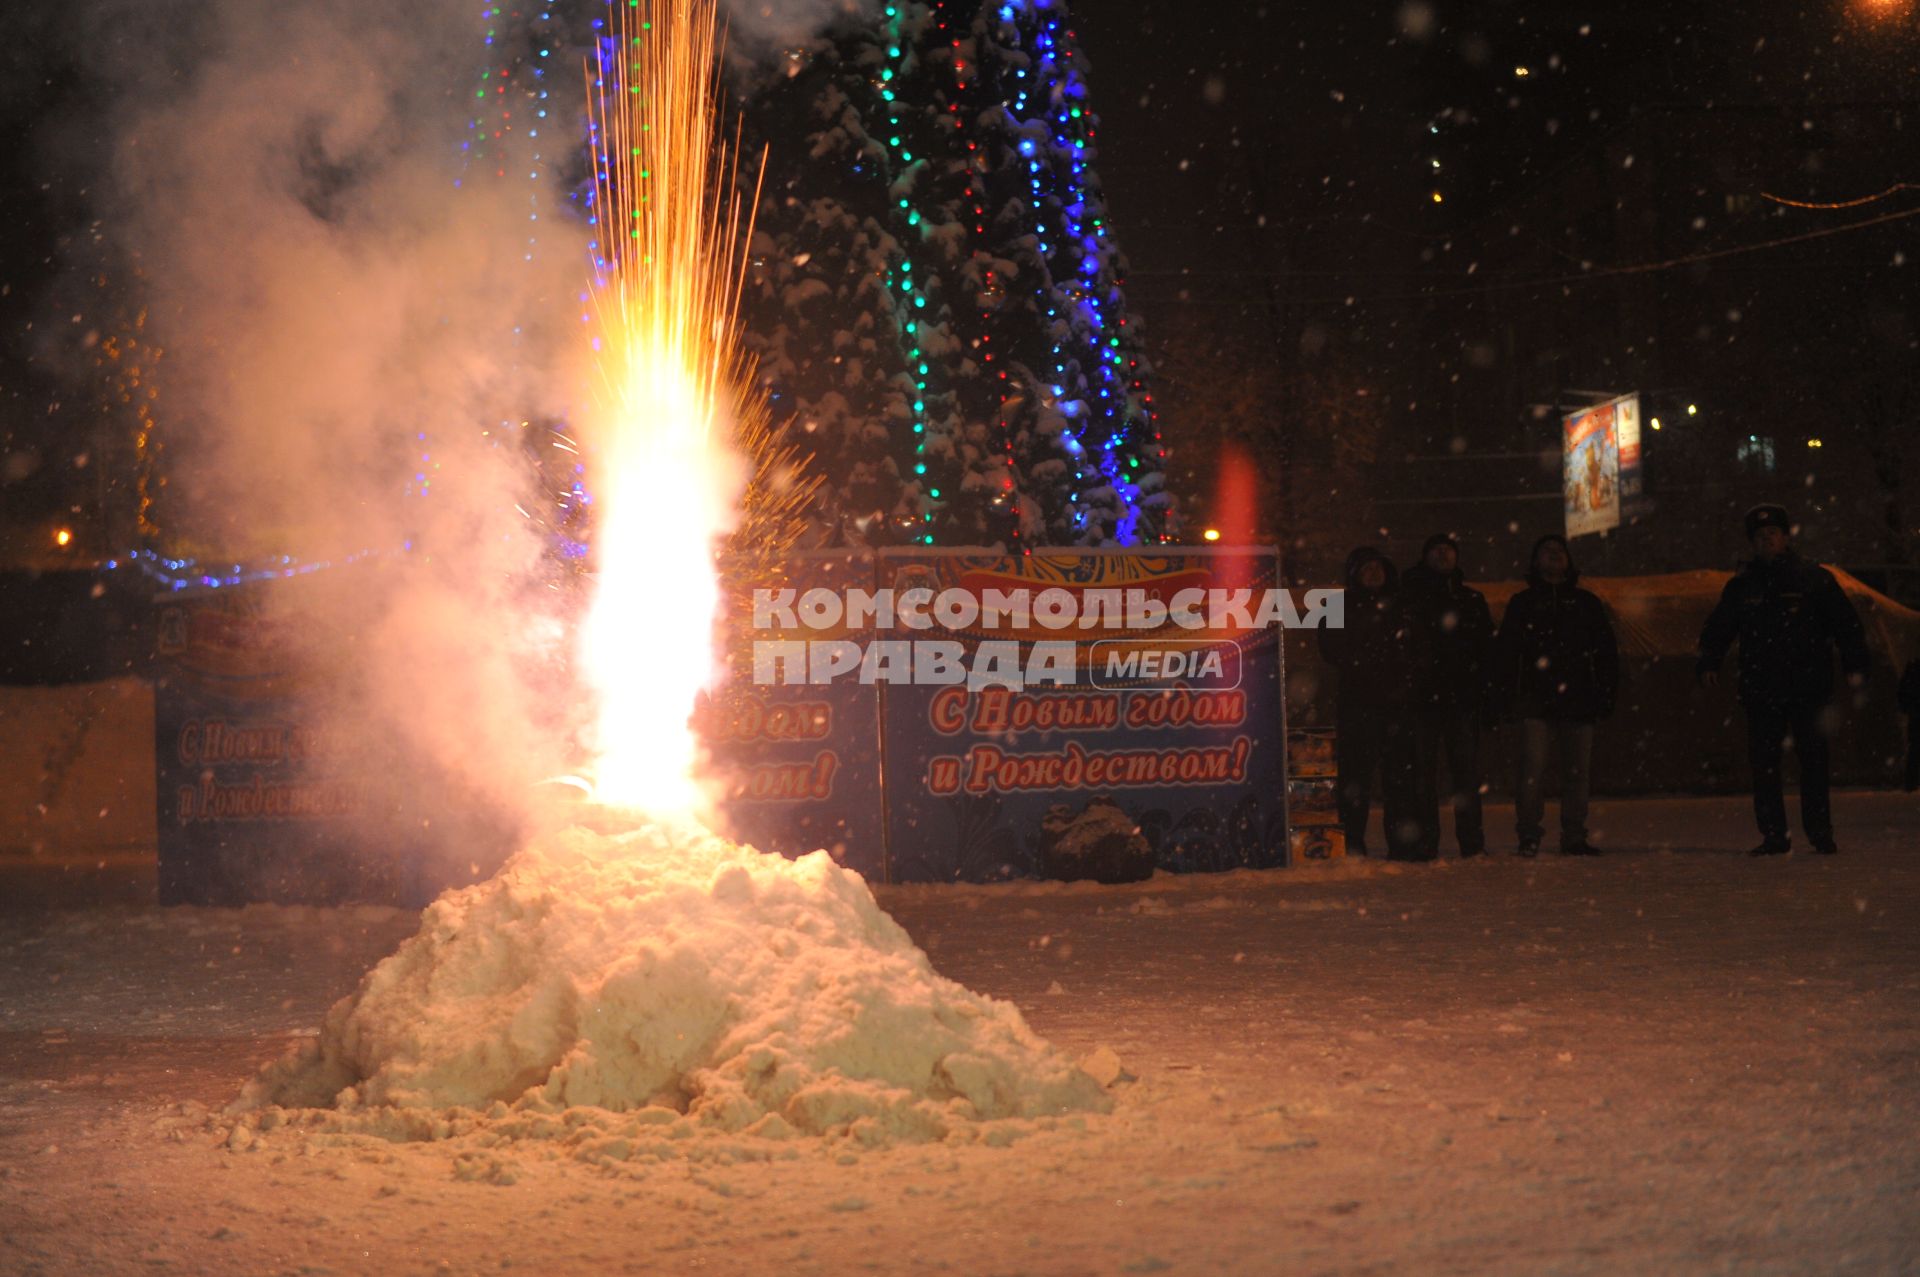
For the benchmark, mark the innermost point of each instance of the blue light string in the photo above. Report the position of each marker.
(1063, 117)
(186, 574)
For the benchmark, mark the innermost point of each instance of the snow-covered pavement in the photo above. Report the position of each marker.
(1668, 1059)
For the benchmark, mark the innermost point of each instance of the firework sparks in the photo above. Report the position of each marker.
(672, 389)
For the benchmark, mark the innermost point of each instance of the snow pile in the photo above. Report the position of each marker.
(667, 971)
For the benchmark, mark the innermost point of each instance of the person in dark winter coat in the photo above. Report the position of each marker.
(1910, 706)
(1788, 615)
(1556, 668)
(1453, 647)
(1373, 651)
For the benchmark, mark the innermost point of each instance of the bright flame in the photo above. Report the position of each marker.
(670, 373)
(63, 537)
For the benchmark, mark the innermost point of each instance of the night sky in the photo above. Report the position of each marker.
(1363, 196)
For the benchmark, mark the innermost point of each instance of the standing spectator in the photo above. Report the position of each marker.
(1556, 668)
(1453, 646)
(1910, 706)
(1788, 615)
(1373, 650)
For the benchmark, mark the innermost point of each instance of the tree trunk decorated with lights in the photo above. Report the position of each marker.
(937, 295)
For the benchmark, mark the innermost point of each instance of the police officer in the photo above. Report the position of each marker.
(1788, 615)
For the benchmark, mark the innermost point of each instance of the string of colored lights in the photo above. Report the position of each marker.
(185, 574)
(911, 298)
(979, 250)
(1074, 271)
(1050, 105)
(510, 107)
(517, 109)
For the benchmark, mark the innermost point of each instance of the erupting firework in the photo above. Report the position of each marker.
(673, 387)
(657, 967)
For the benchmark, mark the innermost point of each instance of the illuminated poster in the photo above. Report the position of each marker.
(1591, 460)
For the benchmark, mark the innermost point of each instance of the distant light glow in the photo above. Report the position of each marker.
(1211, 534)
(63, 537)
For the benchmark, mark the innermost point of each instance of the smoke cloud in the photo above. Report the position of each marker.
(761, 28)
(352, 232)
(357, 318)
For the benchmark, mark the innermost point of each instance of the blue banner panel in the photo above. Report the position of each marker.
(268, 790)
(799, 766)
(1178, 732)
(252, 802)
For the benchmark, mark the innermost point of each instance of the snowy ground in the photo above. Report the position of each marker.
(1668, 1059)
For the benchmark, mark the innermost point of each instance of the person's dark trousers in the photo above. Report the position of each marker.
(1452, 736)
(1913, 752)
(1769, 727)
(1379, 739)
(1574, 741)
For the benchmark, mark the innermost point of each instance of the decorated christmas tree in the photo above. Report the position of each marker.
(935, 296)
(937, 301)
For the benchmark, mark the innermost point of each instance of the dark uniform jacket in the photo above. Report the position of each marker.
(1452, 636)
(1373, 650)
(1555, 655)
(1788, 615)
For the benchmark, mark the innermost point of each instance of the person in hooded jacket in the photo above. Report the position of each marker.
(1453, 645)
(1788, 616)
(1373, 652)
(1556, 668)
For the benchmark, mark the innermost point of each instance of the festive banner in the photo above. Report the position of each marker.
(798, 766)
(253, 804)
(921, 715)
(1176, 732)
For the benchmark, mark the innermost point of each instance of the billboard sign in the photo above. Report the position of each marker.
(1590, 458)
(1633, 486)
